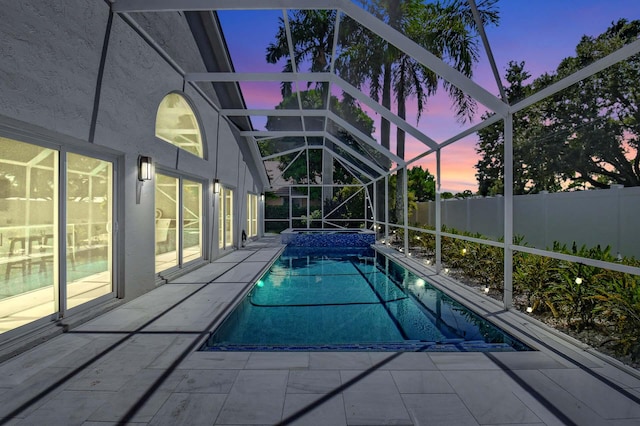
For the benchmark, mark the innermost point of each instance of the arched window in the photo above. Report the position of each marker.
(177, 124)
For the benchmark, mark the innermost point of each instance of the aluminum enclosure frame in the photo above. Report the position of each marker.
(502, 110)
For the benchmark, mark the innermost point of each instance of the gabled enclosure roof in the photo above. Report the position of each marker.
(323, 126)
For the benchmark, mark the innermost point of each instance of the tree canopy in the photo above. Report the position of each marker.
(584, 136)
(421, 183)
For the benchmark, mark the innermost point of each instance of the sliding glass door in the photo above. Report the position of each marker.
(252, 215)
(225, 218)
(178, 232)
(56, 242)
(167, 213)
(191, 220)
(89, 242)
(29, 279)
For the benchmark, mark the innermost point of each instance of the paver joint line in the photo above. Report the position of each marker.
(14, 413)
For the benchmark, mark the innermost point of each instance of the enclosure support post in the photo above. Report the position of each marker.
(508, 211)
(438, 216)
(324, 189)
(366, 209)
(308, 193)
(290, 209)
(386, 209)
(374, 210)
(405, 208)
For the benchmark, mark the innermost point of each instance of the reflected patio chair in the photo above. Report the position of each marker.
(16, 257)
(162, 234)
(43, 253)
(36, 252)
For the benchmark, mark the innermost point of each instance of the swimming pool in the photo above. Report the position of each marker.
(351, 299)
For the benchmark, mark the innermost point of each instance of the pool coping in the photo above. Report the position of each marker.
(529, 330)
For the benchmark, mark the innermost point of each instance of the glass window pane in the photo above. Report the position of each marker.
(166, 219)
(89, 220)
(252, 215)
(254, 218)
(177, 124)
(228, 223)
(221, 219)
(191, 220)
(28, 233)
(248, 225)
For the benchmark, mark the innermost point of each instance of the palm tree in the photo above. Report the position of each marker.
(446, 29)
(312, 36)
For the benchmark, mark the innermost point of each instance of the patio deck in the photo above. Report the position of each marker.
(137, 365)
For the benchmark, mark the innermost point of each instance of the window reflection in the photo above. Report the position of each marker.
(169, 206)
(225, 218)
(88, 237)
(166, 219)
(28, 224)
(191, 220)
(252, 215)
(177, 124)
(221, 219)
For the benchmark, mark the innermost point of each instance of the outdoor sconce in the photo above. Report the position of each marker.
(262, 197)
(144, 168)
(216, 186)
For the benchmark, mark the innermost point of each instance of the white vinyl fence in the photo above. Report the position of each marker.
(606, 217)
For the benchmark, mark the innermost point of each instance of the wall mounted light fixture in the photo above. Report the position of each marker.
(262, 197)
(145, 171)
(216, 186)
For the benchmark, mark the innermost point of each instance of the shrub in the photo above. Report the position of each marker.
(535, 277)
(581, 295)
(579, 284)
(619, 304)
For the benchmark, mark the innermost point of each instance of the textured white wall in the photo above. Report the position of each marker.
(50, 54)
(48, 73)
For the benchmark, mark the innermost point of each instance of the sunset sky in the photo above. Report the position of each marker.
(540, 32)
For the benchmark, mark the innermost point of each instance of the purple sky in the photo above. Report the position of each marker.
(540, 32)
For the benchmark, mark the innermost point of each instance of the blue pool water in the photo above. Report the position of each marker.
(351, 299)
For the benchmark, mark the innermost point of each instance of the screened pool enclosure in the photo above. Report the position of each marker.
(331, 115)
(335, 133)
(468, 172)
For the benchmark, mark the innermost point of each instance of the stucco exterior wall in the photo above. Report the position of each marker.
(51, 54)
(50, 57)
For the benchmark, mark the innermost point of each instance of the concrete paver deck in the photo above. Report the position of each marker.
(138, 364)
